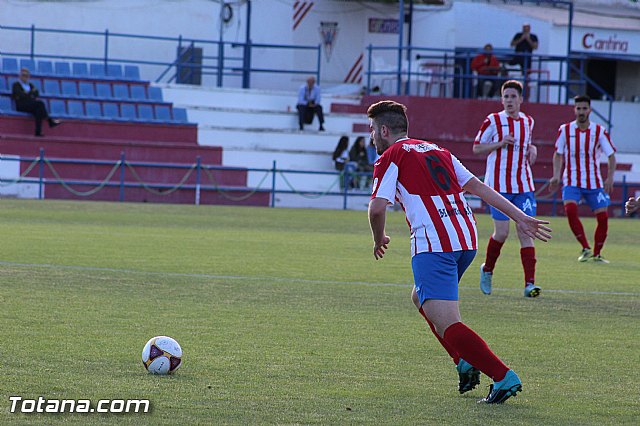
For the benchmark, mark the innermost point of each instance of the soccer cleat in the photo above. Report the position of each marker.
(469, 376)
(532, 290)
(585, 255)
(599, 259)
(500, 391)
(485, 280)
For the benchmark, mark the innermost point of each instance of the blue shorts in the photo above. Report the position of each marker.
(596, 198)
(525, 201)
(437, 274)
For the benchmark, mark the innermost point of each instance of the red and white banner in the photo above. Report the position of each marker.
(355, 73)
(300, 10)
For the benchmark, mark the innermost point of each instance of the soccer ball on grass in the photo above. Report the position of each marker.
(162, 355)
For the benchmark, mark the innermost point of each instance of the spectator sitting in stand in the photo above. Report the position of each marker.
(358, 155)
(341, 156)
(309, 104)
(25, 94)
(486, 64)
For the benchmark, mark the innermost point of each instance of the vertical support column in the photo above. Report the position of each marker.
(273, 185)
(122, 170)
(198, 165)
(41, 175)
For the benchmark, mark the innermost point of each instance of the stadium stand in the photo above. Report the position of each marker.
(109, 111)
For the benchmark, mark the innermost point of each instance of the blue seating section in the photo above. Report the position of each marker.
(90, 91)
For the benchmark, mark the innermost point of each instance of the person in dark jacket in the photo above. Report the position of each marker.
(25, 94)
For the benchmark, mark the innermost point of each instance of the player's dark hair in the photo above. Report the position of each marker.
(582, 98)
(391, 114)
(512, 84)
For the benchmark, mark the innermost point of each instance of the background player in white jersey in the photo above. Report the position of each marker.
(428, 182)
(505, 137)
(579, 146)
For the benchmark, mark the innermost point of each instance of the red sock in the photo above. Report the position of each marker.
(475, 351)
(528, 257)
(601, 232)
(574, 223)
(493, 252)
(452, 353)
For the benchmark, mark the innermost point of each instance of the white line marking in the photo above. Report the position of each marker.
(285, 279)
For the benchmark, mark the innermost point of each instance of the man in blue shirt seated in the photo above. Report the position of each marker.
(309, 104)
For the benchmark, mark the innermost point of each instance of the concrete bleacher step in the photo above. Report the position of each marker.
(89, 129)
(269, 119)
(271, 100)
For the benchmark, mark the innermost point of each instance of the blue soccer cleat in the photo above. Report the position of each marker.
(532, 290)
(500, 391)
(469, 376)
(485, 280)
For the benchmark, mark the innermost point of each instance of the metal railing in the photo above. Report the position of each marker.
(450, 71)
(170, 58)
(199, 178)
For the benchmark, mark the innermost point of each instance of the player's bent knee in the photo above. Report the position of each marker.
(414, 298)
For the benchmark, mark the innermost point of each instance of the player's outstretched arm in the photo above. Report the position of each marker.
(530, 226)
(377, 218)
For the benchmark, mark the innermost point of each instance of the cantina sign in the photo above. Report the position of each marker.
(599, 43)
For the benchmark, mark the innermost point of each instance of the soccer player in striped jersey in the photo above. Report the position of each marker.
(428, 182)
(505, 137)
(579, 146)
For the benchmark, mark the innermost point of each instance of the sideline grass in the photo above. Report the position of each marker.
(285, 318)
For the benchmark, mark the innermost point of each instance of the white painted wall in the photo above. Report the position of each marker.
(461, 24)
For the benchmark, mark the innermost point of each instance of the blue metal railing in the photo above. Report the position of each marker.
(220, 64)
(198, 178)
(451, 71)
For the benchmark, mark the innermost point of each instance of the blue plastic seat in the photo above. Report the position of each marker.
(132, 72)
(180, 115)
(155, 93)
(69, 88)
(97, 71)
(29, 64)
(128, 111)
(45, 68)
(51, 87)
(5, 104)
(120, 91)
(87, 90)
(145, 112)
(10, 65)
(103, 90)
(3, 85)
(114, 71)
(80, 69)
(62, 69)
(75, 109)
(93, 109)
(138, 92)
(163, 113)
(57, 108)
(110, 110)
(37, 83)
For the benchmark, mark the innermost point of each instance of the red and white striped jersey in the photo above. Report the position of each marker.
(581, 150)
(427, 182)
(508, 168)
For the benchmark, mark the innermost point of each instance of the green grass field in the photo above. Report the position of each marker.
(285, 317)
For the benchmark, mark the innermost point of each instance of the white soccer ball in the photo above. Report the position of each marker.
(162, 355)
